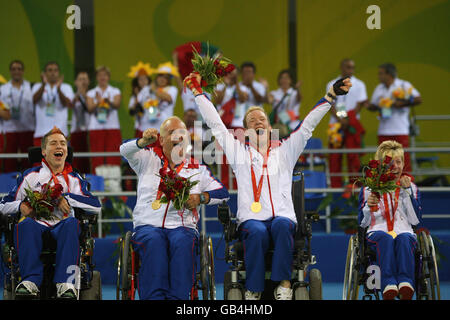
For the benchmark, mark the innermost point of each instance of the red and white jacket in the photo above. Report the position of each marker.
(147, 162)
(276, 198)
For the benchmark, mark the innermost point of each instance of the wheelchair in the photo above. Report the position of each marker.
(128, 270)
(360, 258)
(89, 279)
(234, 279)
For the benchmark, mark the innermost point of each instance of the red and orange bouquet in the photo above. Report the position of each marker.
(379, 178)
(211, 69)
(174, 187)
(44, 202)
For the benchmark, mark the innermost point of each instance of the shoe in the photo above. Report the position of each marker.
(27, 288)
(250, 295)
(282, 293)
(406, 291)
(390, 292)
(66, 291)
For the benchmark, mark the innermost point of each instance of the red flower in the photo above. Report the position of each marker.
(216, 62)
(162, 172)
(369, 173)
(171, 174)
(392, 176)
(387, 160)
(229, 68)
(171, 195)
(384, 177)
(56, 191)
(374, 163)
(219, 72)
(204, 83)
(178, 185)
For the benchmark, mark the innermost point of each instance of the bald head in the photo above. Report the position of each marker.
(174, 138)
(347, 67)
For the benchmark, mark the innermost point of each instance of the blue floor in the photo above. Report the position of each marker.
(331, 291)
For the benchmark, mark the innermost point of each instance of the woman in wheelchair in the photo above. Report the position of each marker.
(395, 244)
(63, 226)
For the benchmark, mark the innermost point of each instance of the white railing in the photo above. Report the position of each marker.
(232, 190)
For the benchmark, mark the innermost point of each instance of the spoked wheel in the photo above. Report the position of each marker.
(126, 270)
(351, 277)
(207, 268)
(429, 266)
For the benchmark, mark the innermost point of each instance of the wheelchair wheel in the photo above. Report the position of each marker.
(351, 286)
(207, 268)
(125, 271)
(95, 291)
(315, 284)
(301, 293)
(429, 266)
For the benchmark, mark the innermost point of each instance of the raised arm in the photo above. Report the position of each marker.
(297, 140)
(133, 150)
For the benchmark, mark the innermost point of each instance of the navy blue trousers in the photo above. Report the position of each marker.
(256, 236)
(168, 262)
(395, 257)
(28, 243)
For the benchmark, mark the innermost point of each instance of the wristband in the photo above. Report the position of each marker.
(331, 96)
(193, 84)
(202, 198)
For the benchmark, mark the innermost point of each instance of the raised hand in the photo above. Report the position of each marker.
(43, 78)
(192, 81)
(340, 87)
(148, 137)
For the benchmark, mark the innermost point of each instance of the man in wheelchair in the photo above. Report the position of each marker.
(390, 228)
(62, 225)
(166, 238)
(263, 167)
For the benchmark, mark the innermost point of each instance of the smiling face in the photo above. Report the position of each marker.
(102, 78)
(397, 164)
(258, 126)
(174, 138)
(54, 151)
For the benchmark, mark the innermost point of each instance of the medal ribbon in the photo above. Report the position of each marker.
(389, 220)
(257, 189)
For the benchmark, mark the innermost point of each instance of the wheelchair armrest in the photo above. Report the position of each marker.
(223, 213)
(82, 215)
(313, 216)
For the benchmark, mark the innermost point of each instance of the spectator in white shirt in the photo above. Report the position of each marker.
(135, 108)
(51, 99)
(285, 103)
(5, 114)
(393, 98)
(103, 103)
(158, 99)
(19, 129)
(80, 121)
(257, 91)
(345, 115)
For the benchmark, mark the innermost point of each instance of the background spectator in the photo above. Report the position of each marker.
(19, 129)
(392, 98)
(80, 121)
(51, 99)
(345, 118)
(103, 103)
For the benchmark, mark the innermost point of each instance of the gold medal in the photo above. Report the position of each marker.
(256, 207)
(392, 234)
(156, 204)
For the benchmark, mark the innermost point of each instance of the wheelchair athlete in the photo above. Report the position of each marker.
(63, 226)
(164, 237)
(394, 250)
(263, 170)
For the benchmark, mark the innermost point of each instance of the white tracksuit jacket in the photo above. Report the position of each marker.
(76, 193)
(276, 199)
(146, 163)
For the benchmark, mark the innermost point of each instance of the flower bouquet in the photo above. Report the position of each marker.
(379, 178)
(4, 105)
(44, 202)
(211, 69)
(175, 188)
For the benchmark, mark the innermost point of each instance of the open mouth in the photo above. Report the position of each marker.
(58, 154)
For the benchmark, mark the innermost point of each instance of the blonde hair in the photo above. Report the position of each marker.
(167, 120)
(390, 148)
(103, 68)
(251, 109)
